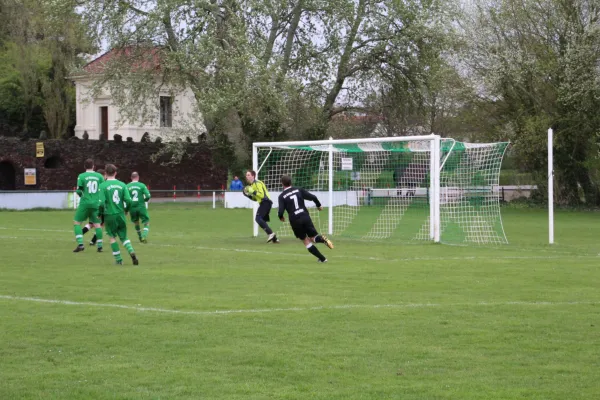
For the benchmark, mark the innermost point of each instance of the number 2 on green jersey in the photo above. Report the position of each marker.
(135, 195)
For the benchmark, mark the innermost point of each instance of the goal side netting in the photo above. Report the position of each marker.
(423, 188)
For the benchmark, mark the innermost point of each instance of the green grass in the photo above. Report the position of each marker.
(381, 320)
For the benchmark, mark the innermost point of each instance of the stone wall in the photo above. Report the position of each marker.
(63, 161)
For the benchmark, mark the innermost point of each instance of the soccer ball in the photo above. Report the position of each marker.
(249, 190)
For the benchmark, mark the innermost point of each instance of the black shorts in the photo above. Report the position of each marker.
(264, 209)
(303, 227)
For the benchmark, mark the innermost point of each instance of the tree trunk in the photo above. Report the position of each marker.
(289, 41)
(272, 37)
(343, 66)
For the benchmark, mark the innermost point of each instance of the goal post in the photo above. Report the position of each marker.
(404, 188)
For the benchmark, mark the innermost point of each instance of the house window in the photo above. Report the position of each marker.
(166, 111)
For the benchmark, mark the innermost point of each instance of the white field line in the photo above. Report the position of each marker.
(385, 259)
(507, 248)
(43, 230)
(302, 254)
(297, 309)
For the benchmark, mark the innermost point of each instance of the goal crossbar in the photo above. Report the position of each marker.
(346, 141)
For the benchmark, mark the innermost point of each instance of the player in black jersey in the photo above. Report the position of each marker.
(292, 201)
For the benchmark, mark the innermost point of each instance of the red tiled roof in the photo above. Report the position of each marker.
(147, 58)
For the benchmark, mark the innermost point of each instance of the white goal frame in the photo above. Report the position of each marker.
(435, 167)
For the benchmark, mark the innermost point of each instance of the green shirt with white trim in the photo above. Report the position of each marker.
(114, 197)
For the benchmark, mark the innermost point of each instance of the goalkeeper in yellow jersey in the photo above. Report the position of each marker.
(257, 191)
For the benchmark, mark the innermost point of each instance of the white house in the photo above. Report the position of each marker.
(100, 117)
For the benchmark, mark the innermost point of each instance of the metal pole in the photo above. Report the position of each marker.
(550, 187)
(255, 205)
(214, 200)
(330, 210)
(437, 191)
(431, 190)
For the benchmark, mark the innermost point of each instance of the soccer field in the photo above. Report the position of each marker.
(212, 313)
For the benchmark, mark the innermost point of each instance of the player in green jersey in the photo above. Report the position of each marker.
(89, 225)
(114, 201)
(88, 184)
(139, 198)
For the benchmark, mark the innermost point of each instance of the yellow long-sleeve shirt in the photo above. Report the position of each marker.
(260, 191)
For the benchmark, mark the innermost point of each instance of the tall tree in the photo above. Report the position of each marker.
(537, 62)
(64, 37)
(43, 40)
(257, 61)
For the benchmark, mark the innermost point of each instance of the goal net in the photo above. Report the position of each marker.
(403, 188)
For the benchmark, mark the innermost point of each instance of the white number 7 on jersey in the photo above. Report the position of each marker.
(295, 200)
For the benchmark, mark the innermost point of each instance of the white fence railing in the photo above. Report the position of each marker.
(68, 199)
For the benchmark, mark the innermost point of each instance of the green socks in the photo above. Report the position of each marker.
(78, 234)
(142, 234)
(116, 252)
(128, 246)
(99, 237)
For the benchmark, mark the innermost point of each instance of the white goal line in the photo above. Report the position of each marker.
(139, 308)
